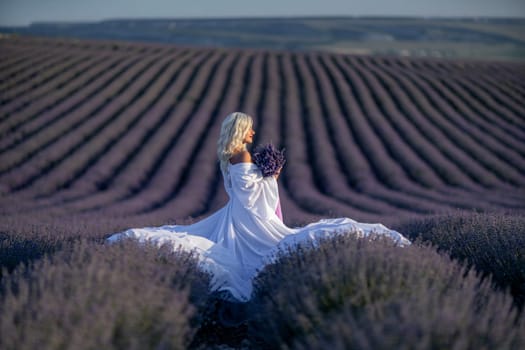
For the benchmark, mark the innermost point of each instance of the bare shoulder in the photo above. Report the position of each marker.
(241, 157)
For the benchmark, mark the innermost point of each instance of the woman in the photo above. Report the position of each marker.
(240, 238)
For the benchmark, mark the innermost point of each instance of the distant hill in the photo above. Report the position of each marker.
(479, 38)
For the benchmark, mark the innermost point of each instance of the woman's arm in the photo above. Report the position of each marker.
(255, 192)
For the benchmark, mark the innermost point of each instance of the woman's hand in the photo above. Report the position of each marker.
(276, 175)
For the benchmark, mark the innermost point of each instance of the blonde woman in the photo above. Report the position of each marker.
(240, 238)
(236, 132)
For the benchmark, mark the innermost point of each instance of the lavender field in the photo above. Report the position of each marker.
(99, 136)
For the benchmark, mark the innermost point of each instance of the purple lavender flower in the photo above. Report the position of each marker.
(269, 159)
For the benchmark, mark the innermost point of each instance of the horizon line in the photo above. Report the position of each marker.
(251, 17)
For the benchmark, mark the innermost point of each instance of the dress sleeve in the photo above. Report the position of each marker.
(254, 192)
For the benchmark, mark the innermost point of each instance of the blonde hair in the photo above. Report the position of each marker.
(233, 130)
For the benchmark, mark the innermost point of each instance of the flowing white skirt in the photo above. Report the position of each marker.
(238, 240)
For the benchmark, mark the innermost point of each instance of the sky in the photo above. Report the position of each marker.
(23, 12)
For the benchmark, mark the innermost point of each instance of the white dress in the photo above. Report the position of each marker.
(240, 238)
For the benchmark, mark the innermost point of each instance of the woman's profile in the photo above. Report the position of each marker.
(239, 239)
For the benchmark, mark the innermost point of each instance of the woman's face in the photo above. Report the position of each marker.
(248, 138)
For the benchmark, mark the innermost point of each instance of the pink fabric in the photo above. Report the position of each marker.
(278, 210)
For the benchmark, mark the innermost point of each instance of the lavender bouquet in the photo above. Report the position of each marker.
(269, 159)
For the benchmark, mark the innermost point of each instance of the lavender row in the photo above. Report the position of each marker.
(353, 156)
(162, 175)
(60, 103)
(191, 195)
(451, 123)
(27, 70)
(148, 137)
(375, 148)
(412, 117)
(272, 118)
(64, 109)
(508, 136)
(470, 117)
(322, 143)
(483, 87)
(300, 176)
(30, 93)
(356, 132)
(68, 143)
(431, 123)
(388, 100)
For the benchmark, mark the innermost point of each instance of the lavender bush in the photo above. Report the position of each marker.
(96, 296)
(29, 238)
(491, 243)
(355, 294)
(269, 159)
